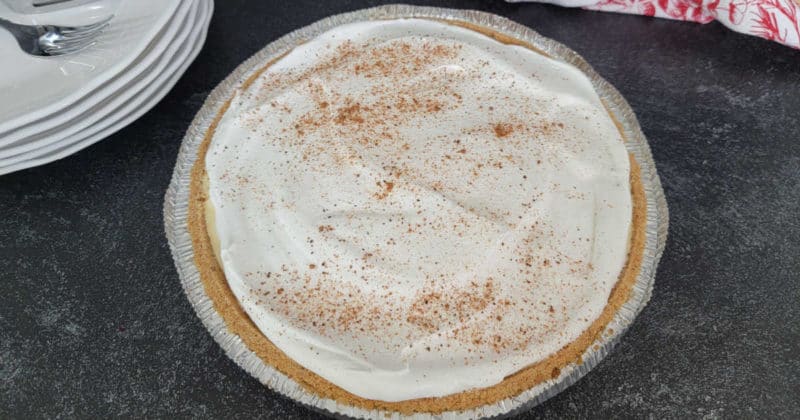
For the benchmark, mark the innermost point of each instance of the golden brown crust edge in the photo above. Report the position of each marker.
(239, 323)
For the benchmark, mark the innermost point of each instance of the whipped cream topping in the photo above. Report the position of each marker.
(412, 209)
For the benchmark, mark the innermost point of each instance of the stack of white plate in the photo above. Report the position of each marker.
(51, 107)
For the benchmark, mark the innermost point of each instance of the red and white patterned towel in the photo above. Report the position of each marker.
(776, 20)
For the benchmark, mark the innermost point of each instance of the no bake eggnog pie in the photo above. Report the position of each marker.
(416, 215)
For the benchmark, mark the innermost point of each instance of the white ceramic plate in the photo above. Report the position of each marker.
(147, 97)
(121, 88)
(34, 88)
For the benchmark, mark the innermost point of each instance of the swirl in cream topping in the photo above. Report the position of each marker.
(412, 209)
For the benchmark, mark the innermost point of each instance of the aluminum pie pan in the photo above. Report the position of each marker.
(176, 205)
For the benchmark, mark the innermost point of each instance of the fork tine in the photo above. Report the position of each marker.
(97, 23)
(70, 42)
(67, 50)
(65, 46)
(86, 28)
(59, 40)
(68, 46)
(85, 34)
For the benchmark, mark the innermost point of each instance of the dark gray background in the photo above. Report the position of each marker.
(94, 323)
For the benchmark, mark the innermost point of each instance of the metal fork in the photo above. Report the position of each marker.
(53, 40)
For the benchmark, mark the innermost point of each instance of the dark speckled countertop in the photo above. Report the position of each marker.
(94, 323)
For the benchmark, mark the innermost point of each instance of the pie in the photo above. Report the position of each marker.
(416, 215)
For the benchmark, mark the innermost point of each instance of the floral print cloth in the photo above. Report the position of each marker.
(776, 20)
